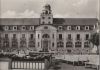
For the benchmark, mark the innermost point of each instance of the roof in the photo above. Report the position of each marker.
(19, 21)
(75, 21)
(56, 21)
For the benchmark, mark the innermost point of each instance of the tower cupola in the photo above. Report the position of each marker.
(46, 15)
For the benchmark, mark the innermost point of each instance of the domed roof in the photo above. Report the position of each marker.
(47, 6)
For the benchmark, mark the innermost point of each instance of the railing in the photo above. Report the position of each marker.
(58, 39)
(69, 39)
(80, 39)
(36, 65)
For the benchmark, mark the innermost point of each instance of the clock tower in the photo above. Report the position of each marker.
(46, 15)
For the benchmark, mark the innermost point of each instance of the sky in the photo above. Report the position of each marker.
(60, 8)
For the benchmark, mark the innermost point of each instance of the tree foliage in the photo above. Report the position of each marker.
(95, 39)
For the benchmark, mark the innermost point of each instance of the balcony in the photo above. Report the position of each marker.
(69, 39)
(60, 39)
(6, 39)
(14, 39)
(78, 39)
(78, 46)
(32, 39)
(86, 44)
(22, 38)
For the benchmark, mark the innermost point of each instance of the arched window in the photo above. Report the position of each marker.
(69, 44)
(60, 44)
(78, 44)
(45, 36)
(86, 44)
(68, 27)
(77, 27)
(86, 27)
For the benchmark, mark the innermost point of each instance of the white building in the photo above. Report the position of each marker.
(47, 34)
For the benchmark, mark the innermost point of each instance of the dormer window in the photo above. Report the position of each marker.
(77, 27)
(15, 28)
(23, 27)
(86, 27)
(31, 27)
(6, 27)
(69, 28)
(60, 28)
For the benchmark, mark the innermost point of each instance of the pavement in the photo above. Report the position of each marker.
(65, 66)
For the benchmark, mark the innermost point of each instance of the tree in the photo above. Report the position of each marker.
(95, 40)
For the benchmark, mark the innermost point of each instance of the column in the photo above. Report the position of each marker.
(27, 40)
(10, 40)
(18, 39)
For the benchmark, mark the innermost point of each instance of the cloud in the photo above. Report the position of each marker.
(60, 8)
(13, 14)
(27, 13)
(81, 3)
(9, 14)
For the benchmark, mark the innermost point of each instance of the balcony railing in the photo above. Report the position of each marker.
(32, 39)
(22, 38)
(58, 39)
(78, 46)
(69, 39)
(78, 39)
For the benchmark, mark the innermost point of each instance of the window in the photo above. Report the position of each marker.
(77, 27)
(60, 27)
(53, 36)
(49, 17)
(43, 17)
(69, 44)
(6, 35)
(23, 35)
(23, 27)
(86, 27)
(14, 35)
(38, 36)
(68, 27)
(69, 36)
(31, 35)
(43, 22)
(60, 36)
(78, 44)
(60, 44)
(69, 51)
(53, 44)
(46, 27)
(6, 27)
(15, 28)
(38, 44)
(49, 22)
(45, 36)
(31, 44)
(87, 36)
(86, 44)
(0, 35)
(31, 27)
(78, 36)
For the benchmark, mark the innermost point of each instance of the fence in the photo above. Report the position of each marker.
(33, 65)
(26, 64)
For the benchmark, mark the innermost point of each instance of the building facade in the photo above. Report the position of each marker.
(47, 34)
